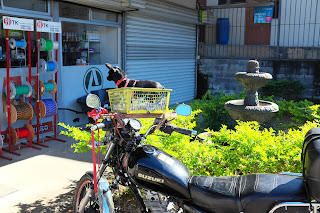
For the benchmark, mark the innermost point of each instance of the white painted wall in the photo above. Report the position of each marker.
(72, 88)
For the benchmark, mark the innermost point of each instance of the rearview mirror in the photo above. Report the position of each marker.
(183, 109)
(93, 101)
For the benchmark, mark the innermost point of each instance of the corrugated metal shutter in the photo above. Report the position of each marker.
(162, 51)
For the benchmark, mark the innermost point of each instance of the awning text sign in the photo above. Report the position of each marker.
(263, 14)
(12, 23)
(48, 26)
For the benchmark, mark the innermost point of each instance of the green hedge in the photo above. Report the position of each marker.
(284, 88)
(245, 149)
(82, 137)
(294, 114)
(213, 115)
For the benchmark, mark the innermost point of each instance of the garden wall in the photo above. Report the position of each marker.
(218, 74)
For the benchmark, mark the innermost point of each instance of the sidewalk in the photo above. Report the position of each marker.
(42, 180)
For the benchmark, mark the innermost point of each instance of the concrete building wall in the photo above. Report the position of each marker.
(219, 74)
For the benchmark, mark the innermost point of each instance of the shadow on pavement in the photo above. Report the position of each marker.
(63, 203)
(55, 148)
(60, 204)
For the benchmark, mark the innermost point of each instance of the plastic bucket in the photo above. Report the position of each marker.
(222, 30)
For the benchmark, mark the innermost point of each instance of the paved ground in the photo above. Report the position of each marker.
(41, 180)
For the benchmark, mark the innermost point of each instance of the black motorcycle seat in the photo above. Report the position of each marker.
(246, 193)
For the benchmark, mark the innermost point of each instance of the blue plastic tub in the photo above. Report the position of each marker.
(222, 30)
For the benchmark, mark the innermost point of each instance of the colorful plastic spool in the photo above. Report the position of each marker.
(55, 45)
(51, 66)
(47, 44)
(48, 108)
(19, 112)
(25, 90)
(50, 86)
(20, 44)
(20, 133)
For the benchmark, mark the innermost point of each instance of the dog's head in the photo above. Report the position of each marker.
(115, 73)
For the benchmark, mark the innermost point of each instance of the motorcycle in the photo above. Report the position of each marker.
(161, 183)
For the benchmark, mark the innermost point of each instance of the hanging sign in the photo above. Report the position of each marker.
(12, 23)
(263, 14)
(48, 26)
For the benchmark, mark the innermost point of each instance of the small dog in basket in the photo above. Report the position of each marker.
(120, 78)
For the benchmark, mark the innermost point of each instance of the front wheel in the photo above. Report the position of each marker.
(84, 184)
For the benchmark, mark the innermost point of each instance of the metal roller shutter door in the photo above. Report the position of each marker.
(162, 51)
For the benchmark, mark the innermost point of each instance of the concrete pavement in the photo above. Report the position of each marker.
(42, 180)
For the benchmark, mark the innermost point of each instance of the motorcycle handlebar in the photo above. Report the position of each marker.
(93, 127)
(169, 128)
(188, 132)
(97, 126)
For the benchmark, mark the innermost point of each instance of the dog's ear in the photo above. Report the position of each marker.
(110, 76)
(109, 66)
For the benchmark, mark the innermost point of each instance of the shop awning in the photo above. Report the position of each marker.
(112, 5)
(164, 10)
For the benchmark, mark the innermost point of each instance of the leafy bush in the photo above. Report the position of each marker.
(83, 137)
(249, 150)
(246, 149)
(294, 114)
(284, 88)
(213, 115)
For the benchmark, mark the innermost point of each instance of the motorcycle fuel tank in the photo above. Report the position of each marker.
(156, 170)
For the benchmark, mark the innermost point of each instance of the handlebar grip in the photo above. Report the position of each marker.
(87, 128)
(185, 131)
(97, 126)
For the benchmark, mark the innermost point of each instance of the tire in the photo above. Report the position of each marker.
(83, 184)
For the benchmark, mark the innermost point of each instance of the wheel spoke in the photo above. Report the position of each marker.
(84, 187)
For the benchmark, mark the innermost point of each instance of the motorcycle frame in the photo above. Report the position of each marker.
(315, 206)
(104, 164)
(106, 201)
(103, 186)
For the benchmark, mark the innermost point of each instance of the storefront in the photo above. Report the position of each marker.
(134, 35)
(19, 60)
(90, 38)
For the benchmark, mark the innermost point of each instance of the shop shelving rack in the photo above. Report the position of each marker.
(49, 138)
(11, 148)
